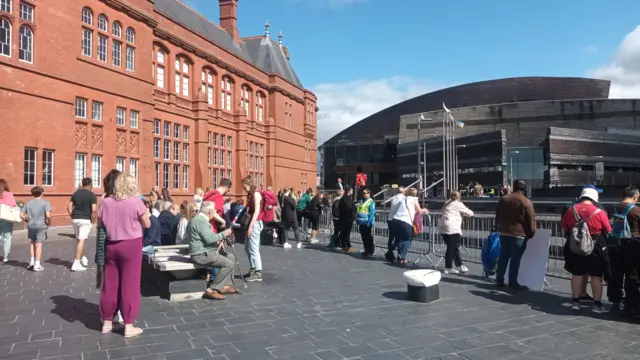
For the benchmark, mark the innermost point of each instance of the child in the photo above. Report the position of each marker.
(37, 214)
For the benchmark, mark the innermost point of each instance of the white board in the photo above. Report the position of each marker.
(533, 265)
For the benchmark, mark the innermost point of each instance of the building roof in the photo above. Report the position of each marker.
(522, 89)
(265, 55)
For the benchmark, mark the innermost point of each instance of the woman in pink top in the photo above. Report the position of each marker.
(123, 217)
(6, 228)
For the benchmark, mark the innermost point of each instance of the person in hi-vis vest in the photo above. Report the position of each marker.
(365, 216)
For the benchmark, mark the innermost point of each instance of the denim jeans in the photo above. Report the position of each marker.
(511, 249)
(252, 246)
(6, 234)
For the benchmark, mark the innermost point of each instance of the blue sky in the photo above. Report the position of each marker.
(360, 56)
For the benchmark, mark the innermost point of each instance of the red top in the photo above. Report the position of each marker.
(598, 224)
(218, 200)
(361, 179)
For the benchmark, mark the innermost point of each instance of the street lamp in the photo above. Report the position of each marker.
(511, 166)
(422, 118)
(456, 175)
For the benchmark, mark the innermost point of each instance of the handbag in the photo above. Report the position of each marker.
(416, 221)
(10, 214)
(245, 219)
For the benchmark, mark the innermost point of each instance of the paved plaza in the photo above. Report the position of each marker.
(313, 304)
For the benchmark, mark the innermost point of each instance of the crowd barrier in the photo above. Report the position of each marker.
(430, 247)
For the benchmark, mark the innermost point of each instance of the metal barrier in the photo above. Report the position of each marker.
(475, 231)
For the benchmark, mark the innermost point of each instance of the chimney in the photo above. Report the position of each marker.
(229, 18)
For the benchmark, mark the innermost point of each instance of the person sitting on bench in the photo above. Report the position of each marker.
(207, 250)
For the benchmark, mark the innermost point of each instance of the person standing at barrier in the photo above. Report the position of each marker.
(346, 214)
(391, 243)
(580, 264)
(365, 217)
(516, 221)
(335, 213)
(289, 220)
(625, 227)
(450, 226)
(404, 208)
(314, 210)
(301, 209)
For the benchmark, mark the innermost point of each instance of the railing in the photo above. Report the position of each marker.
(430, 246)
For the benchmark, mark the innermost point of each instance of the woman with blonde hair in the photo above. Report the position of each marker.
(402, 213)
(450, 226)
(188, 211)
(123, 216)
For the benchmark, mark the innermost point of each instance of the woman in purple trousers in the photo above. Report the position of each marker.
(123, 217)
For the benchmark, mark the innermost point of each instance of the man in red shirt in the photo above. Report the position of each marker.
(595, 264)
(216, 196)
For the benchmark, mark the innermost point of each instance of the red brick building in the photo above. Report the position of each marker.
(149, 87)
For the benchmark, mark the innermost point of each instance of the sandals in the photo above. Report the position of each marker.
(213, 295)
(131, 331)
(229, 290)
(107, 327)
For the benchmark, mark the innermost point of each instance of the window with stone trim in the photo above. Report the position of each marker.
(182, 76)
(245, 100)
(103, 23)
(5, 37)
(259, 106)
(226, 94)
(208, 84)
(5, 6)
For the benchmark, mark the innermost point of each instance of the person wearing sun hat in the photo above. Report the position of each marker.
(596, 264)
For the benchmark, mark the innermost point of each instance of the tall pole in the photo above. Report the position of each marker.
(510, 170)
(454, 158)
(424, 167)
(444, 155)
(418, 149)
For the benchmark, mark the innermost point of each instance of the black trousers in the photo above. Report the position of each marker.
(345, 233)
(367, 239)
(631, 253)
(452, 254)
(336, 233)
(615, 278)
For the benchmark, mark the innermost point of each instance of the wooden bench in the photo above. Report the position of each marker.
(171, 269)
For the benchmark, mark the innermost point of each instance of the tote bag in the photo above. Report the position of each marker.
(10, 214)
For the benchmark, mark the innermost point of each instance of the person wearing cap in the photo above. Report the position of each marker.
(516, 221)
(595, 264)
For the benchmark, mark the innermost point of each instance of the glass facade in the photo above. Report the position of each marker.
(526, 163)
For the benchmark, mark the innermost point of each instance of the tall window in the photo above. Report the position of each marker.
(185, 152)
(87, 41)
(26, 44)
(176, 176)
(133, 168)
(80, 168)
(131, 58)
(5, 5)
(102, 48)
(167, 150)
(81, 108)
(121, 114)
(176, 151)
(26, 11)
(167, 129)
(96, 111)
(133, 119)
(116, 53)
(185, 131)
(96, 170)
(30, 166)
(166, 175)
(259, 107)
(182, 76)
(120, 161)
(103, 23)
(5, 37)
(87, 16)
(157, 174)
(156, 126)
(131, 36)
(160, 69)
(226, 93)
(207, 85)
(117, 30)
(176, 131)
(156, 148)
(185, 177)
(245, 96)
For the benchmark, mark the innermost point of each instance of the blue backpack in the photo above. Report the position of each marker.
(620, 224)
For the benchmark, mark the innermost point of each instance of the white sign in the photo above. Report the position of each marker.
(533, 265)
(599, 170)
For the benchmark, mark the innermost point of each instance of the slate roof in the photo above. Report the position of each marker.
(262, 52)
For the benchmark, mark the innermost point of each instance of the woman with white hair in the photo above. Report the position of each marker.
(123, 216)
(450, 227)
(207, 250)
(595, 264)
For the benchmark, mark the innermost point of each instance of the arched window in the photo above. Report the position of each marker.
(208, 78)
(182, 76)
(5, 5)
(103, 23)
(5, 37)
(87, 16)
(160, 56)
(131, 35)
(245, 100)
(26, 44)
(259, 107)
(226, 94)
(117, 29)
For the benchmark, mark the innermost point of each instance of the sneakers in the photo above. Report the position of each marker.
(463, 269)
(255, 276)
(451, 271)
(5, 259)
(575, 305)
(38, 267)
(314, 241)
(30, 267)
(390, 257)
(287, 245)
(249, 274)
(84, 261)
(599, 309)
(77, 266)
(299, 245)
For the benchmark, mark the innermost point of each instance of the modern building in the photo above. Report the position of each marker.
(150, 87)
(513, 128)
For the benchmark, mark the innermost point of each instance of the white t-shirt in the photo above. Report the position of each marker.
(403, 208)
(182, 230)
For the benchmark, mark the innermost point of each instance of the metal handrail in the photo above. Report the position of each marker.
(410, 185)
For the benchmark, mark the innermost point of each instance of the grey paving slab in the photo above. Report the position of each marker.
(312, 304)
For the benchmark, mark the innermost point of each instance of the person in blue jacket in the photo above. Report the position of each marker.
(365, 217)
(153, 233)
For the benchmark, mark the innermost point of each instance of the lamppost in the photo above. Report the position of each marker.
(511, 166)
(456, 176)
(421, 118)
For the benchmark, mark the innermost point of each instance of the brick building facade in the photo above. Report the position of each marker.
(149, 87)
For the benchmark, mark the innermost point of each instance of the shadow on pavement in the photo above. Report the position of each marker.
(59, 262)
(396, 295)
(20, 264)
(77, 310)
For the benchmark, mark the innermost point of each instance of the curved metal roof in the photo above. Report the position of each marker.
(500, 91)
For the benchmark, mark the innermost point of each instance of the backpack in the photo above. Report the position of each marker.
(580, 240)
(269, 204)
(620, 228)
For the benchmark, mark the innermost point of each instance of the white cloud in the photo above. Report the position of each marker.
(624, 68)
(343, 104)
